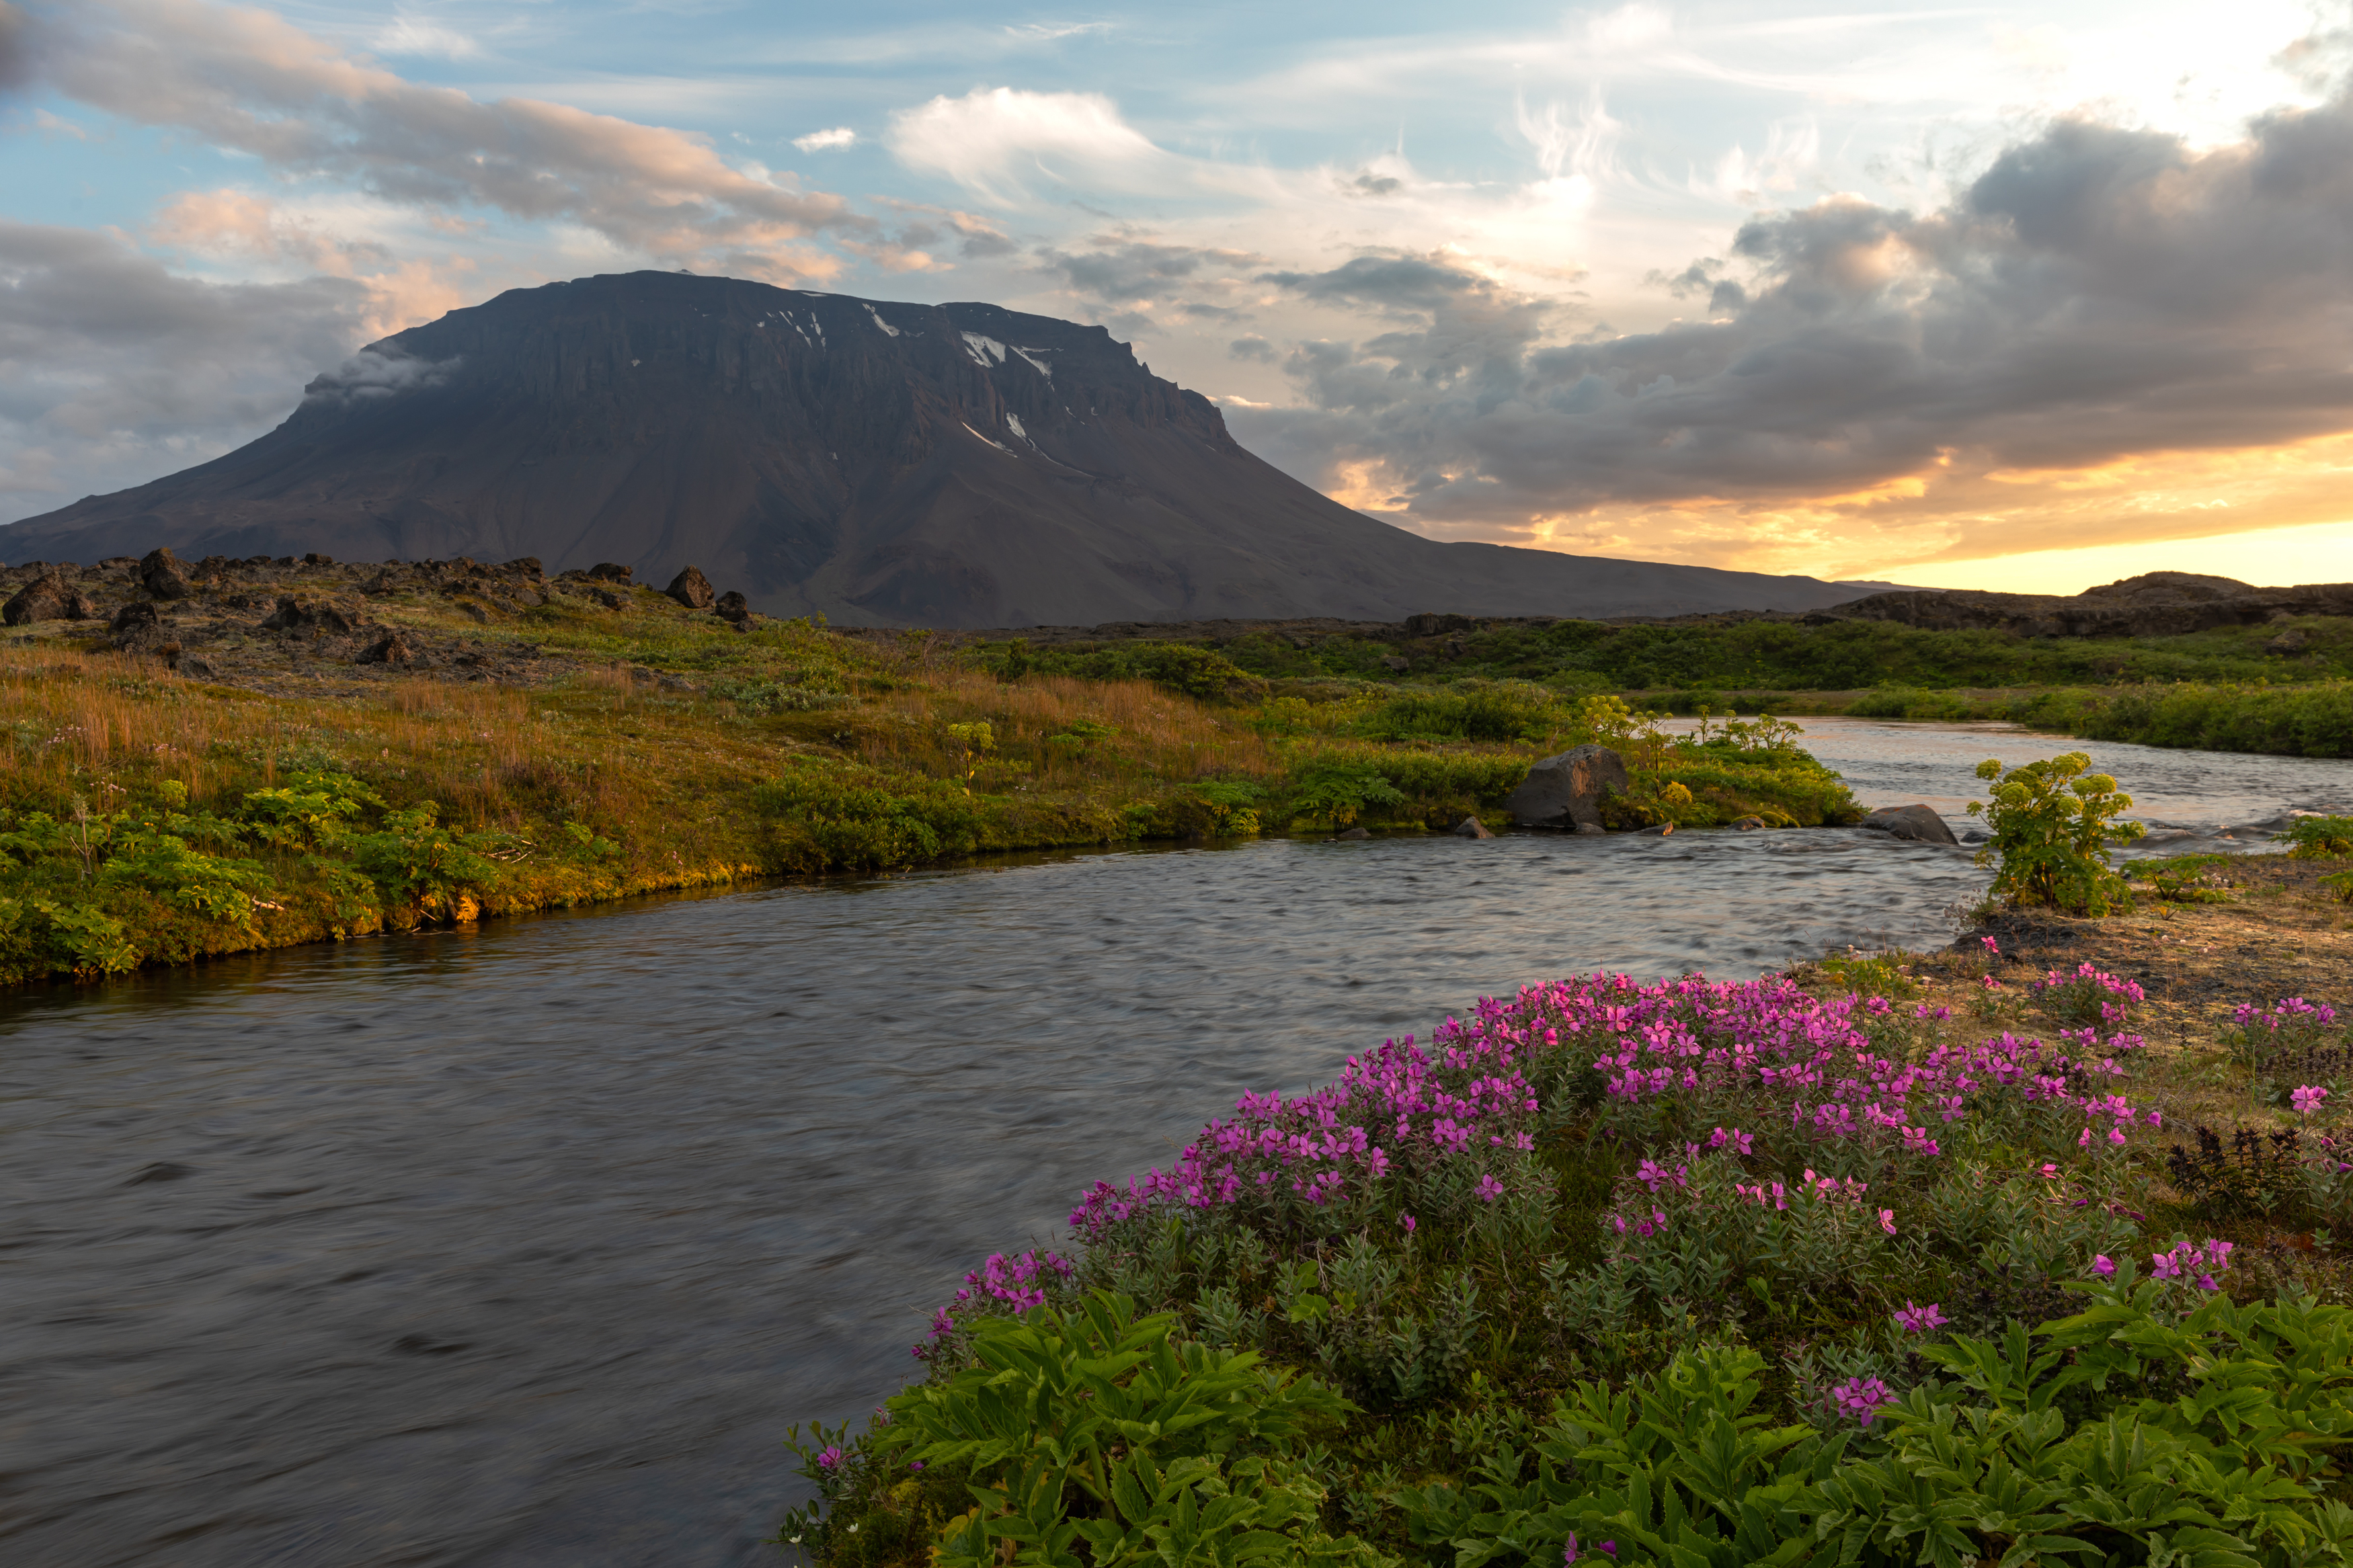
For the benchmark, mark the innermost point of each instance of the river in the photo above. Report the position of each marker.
(521, 1243)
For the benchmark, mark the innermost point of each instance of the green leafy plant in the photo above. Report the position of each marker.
(1337, 794)
(2318, 837)
(1095, 1436)
(2051, 823)
(417, 862)
(309, 810)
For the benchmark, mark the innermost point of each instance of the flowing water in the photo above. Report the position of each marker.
(521, 1244)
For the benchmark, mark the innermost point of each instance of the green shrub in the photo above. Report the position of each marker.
(2050, 824)
(2318, 837)
(416, 861)
(1472, 711)
(1096, 1438)
(826, 816)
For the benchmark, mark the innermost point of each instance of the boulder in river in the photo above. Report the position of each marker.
(1747, 824)
(1914, 822)
(1471, 828)
(1352, 833)
(1567, 791)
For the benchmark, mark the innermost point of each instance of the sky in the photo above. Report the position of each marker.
(2030, 297)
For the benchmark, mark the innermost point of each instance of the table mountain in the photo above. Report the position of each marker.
(887, 464)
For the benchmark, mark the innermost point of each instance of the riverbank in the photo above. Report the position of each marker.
(1587, 1238)
(205, 782)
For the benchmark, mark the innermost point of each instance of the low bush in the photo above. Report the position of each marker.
(2051, 823)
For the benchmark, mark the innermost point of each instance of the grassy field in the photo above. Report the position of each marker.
(150, 814)
(2217, 690)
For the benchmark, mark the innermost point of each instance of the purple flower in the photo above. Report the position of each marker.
(914, 1463)
(1920, 1320)
(1861, 1398)
(2102, 1265)
(2217, 1254)
(828, 1458)
(1489, 1189)
(2162, 1265)
(2206, 1282)
(2307, 1097)
(1887, 1221)
(1406, 1220)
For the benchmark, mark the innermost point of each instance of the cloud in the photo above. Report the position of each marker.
(248, 81)
(1000, 142)
(1251, 346)
(416, 36)
(1117, 270)
(825, 141)
(2094, 293)
(15, 46)
(113, 370)
(369, 376)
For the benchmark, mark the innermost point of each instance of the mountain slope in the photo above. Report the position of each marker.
(939, 465)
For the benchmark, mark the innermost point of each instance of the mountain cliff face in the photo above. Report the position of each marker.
(886, 464)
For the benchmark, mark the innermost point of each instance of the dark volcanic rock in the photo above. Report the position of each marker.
(161, 573)
(390, 651)
(1471, 828)
(692, 588)
(955, 466)
(138, 626)
(1567, 791)
(1918, 822)
(48, 597)
(293, 616)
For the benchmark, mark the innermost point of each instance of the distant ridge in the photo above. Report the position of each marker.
(953, 466)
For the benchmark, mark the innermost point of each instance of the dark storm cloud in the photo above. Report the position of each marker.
(135, 371)
(2097, 291)
(1251, 346)
(1120, 271)
(15, 48)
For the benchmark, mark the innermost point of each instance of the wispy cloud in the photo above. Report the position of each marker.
(826, 140)
(420, 36)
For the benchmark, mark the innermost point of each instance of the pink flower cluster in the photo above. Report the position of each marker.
(2188, 1260)
(1768, 1041)
(1762, 1048)
(1462, 1098)
(2307, 1098)
(2291, 1013)
(2089, 987)
(1861, 1398)
(1916, 1319)
(1019, 1282)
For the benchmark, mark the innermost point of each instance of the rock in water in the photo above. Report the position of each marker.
(1471, 828)
(1352, 833)
(1747, 824)
(1567, 791)
(1915, 822)
(692, 588)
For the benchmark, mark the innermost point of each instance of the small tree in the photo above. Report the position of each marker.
(2052, 823)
